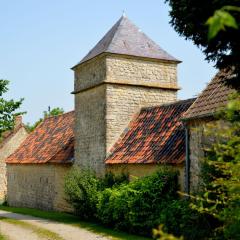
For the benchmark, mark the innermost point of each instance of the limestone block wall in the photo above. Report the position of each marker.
(141, 170)
(198, 140)
(90, 73)
(124, 101)
(38, 186)
(125, 70)
(137, 71)
(6, 149)
(90, 128)
(109, 90)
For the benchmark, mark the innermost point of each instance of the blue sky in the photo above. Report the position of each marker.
(42, 40)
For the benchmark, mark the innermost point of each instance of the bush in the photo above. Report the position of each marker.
(137, 206)
(81, 188)
(111, 180)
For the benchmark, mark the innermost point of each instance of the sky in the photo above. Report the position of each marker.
(42, 40)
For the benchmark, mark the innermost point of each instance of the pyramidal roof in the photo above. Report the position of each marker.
(126, 38)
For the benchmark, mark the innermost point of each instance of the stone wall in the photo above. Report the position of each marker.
(141, 170)
(90, 73)
(38, 186)
(90, 130)
(7, 148)
(198, 140)
(125, 70)
(137, 71)
(123, 102)
(109, 90)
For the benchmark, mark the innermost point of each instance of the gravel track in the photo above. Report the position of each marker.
(65, 231)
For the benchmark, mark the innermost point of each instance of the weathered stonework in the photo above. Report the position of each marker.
(90, 130)
(141, 170)
(38, 186)
(122, 102)
(109, 68)
(137, 71)
(109, 90)
(7, 148)
(90, 73)
(198, 141)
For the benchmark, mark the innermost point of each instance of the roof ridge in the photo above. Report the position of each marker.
(126, 38)
(170, 104)
(212, 97)
(118, 23)
(44, 120)
(59, 115)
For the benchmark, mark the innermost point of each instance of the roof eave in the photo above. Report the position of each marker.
(174, 60)
(202, 116)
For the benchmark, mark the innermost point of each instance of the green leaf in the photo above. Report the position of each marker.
(219, 21)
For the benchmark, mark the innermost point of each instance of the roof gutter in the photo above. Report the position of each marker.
(207, 115)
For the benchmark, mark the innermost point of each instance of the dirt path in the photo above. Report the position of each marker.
(67, 232)
(13, 232)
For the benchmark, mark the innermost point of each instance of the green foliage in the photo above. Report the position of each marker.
(54, 112)
(7, 109)
(221, 173)
(160, 234)
(221, 20)
(81, 187)
(189, 17)
(112, 180)
(138, 206)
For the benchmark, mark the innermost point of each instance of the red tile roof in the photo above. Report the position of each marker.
(51, 142)
(156, 135)
(213, 97)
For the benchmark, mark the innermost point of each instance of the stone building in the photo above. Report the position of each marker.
(155, 137)
(10, 142)
(202, 111)
(35, 172)
(125, 80)
(124, 72)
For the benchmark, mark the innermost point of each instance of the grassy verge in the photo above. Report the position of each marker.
(73, 220)
(2, 237)
(41, 232)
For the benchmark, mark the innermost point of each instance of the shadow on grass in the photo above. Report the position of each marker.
(74, 220)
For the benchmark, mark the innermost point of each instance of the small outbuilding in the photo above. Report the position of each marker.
(36, 170)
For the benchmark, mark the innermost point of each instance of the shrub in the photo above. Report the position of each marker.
(137, 206)
(81, 188)
(112, 180)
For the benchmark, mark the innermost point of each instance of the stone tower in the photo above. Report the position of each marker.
(124, 72)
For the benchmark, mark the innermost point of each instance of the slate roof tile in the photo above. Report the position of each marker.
(126, 38)
(155, 135)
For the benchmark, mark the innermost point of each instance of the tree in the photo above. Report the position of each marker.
(51, 112)
(7, 109)
(189, 18)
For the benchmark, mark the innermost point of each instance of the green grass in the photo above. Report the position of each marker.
(3, 237)
(74, 220)
(41, 232)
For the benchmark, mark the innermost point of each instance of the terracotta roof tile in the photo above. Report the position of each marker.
(212, 98)
(51, 142)
(155, 135)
